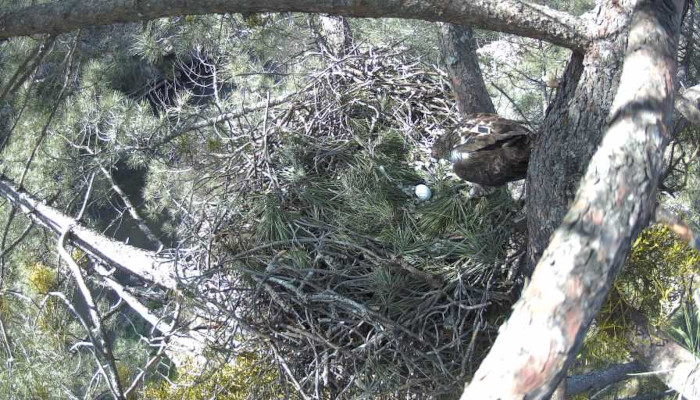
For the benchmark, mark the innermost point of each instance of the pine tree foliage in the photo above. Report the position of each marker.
(298, 212)
(283, 179)
(658, 281)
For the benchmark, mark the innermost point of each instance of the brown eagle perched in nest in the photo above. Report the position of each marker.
(487, 150)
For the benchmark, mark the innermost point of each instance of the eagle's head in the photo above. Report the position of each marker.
(481, 124)
(444, 145)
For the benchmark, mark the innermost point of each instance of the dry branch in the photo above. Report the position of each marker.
(677, 226)
(597, 380)
(146, 265)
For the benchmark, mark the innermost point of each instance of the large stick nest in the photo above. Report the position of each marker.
(325, 256)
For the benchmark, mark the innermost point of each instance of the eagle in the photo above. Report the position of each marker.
(487, 150)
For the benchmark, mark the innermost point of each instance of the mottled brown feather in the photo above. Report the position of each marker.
(487, 150)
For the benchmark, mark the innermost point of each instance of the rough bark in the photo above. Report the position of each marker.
(458, 52)
(573, 127)
(649, 396)
(561, 392)
(615, 201)
(571, 130)
(146, 265)
(686, 46)
(508, 16)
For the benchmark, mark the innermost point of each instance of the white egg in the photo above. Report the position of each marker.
(423, 192)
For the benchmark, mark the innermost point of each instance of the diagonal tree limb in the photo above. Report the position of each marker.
(613, 204)
(148, 266)
(95, 329)
(26, 69)
(92, 344)
(144, 264)
(142, 374)
(181, 341)
(509, 16)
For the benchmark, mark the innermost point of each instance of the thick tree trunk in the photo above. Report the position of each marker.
(573, 128)
(615, 201)
(573, 277)
(458, 52)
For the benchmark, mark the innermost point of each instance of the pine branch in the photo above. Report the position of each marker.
(678, 226)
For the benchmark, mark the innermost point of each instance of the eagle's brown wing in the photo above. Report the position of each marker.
(490, 142)
(487, 149)
(493, 160)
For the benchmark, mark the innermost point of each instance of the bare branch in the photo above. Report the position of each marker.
(224, 117)
(510, 16)
(95, 331)
(141, 263)
(677, 226)
(141, 375)
(179, 346)
(133, 302)
(597, 380)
